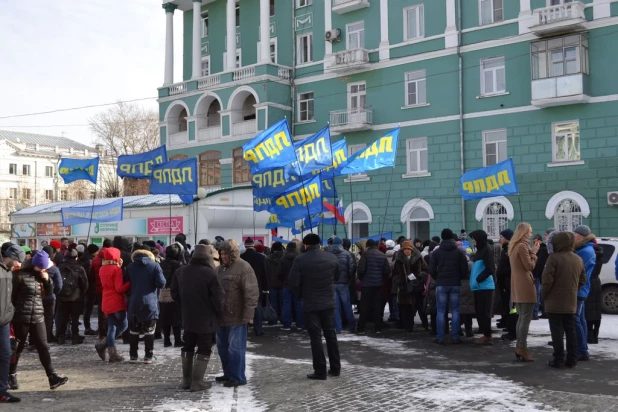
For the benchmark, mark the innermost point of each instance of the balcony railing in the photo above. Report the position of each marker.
(209, 81)
(178, 139)
(345, 6)
(556, 19)
(348, 120)
(244, 73)
(560, 91)
(209, 134)
(284, 72)
(178, 88)
(246, 127)
(348, 60)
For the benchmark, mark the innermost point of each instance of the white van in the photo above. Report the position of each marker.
(609, 284)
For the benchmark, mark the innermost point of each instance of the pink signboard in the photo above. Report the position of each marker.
(161, 225)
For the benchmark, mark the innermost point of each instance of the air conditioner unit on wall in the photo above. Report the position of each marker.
(332, 35)
(612, 198)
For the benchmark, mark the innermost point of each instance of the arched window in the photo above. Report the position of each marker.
(210, 168)
(568, 215)
(241, 167)
(416, 214)
(248, 108)
(495, 219)
(358, 220)
(182, 121)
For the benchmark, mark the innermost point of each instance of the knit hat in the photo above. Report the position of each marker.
(400, 239)
(347, 243)
(277, 247)
(15, 252)
(390, 244)
(200, 252)
(73, 245)
(311, 239)
(337, 241)
(249, 243)
(407, 245)
(72, 253)
(291, 247)
(447, 234)
(260, 248)
(26, 249)
(582, 230)
(80, 249)
(55, 244)
(371, 243)
(436, 239)
(41, 259)
(507, 234)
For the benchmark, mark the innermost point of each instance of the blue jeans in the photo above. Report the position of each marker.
(286, 311)
(581, 328)
(448, 297)
(276, 300)
(537, 284)
(342, 299)
(116, 325)
(232, 347)
(5, 357)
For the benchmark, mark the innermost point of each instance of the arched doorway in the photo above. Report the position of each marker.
(415, 215)
(243, 111)
(176, 118)
(208, 118)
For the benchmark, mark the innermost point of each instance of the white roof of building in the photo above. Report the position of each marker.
(43, 140)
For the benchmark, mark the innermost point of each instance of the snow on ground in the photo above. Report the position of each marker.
(608, 337)
(389, 346)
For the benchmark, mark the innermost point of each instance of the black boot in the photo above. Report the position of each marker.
(556, 363)
(56, 380)
(13, 384)
(100, 348)
(178, 343)
(187, 369)
(197, 375)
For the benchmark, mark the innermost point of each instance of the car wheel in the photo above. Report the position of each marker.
(609, 300)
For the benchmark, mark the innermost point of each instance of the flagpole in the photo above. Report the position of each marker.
(388, 198)
(170, 222)
(302, 181)
(352, 209)
(94, 198)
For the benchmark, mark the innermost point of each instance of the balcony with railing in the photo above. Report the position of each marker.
(348, 60)
(346, 6)
(209, 134)
(178, 139)
(351, 120)
(558, 19)
(246, 127)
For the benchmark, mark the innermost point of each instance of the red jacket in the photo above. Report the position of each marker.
(113, 284)
(95, 267)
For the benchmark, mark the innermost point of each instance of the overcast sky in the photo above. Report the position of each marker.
(60, 54)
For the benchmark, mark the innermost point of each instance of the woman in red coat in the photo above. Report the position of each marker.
(114, 301)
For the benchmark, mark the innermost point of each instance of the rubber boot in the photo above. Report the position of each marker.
(199, 370)
(187, 369)
(113, 355)
(100, 348)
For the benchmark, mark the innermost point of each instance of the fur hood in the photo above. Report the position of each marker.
(139, 256)
(232, 248)
(584, 241)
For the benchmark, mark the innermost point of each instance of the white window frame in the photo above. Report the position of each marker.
(27, 170)
(418, 153)
(49, 169)
(420, 22)
(273, 9)
(238, 59)
(303, 3)
(14, 168)
(494, 72)
(205, 59)
(26, 193)
(359, 32)
(496, 143)
(64, 195)
(576, 216)
(417, 82)
(306, 101)
(358, 95)
(493, 11)
(12, 193)
(299, 40)
(498, 218)
(356, 177)
(554, 147)
(237, 13)
(204, 16)
(273, 41)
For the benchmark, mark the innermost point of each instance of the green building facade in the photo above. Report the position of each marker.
(470, 82)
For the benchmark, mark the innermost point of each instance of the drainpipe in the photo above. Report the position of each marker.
(461, 122)
(293, 75)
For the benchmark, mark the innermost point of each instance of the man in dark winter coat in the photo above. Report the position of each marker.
(49, 302)
(311, 280)
(74, 287)
(448, 266)
(275, 293)
(146, 278)
(503, 277)
(201, 296)
(10, 254)
(285, 266)
(85, 255)
(537, 272)
(372, 268)
(258, 263)
(347, 270)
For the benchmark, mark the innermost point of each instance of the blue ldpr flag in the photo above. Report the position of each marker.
(490, 181)
(340, 160)
(79, 169)
(328, 187)
(260, 203)
(312, 154)
(110, 212)
(270, 149)
(273, 223)
(176, 177)
(270, 183)
(300, 200)
(379, 154)
(139, 166)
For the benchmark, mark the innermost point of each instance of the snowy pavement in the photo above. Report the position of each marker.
(389, 372)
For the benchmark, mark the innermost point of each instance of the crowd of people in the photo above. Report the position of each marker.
(215, 291)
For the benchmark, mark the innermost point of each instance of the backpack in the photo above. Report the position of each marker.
(70, 280)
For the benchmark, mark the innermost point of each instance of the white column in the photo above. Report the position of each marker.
(328, 24)
(264, 31)
(231, 35)
(451, 38)
(197, 40)
(525, 16)
(169, 43)
(601, 9)
(384, 52)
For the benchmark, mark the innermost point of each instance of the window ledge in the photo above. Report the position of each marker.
(414, 106)
(414, 175)
(305, 122)
(569, 163)
(413, 40)
(486, 96)
(308, 64)
(357, 179)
